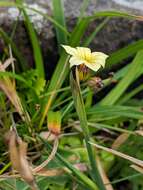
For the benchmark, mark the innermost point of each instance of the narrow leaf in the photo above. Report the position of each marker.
(35, 43)
(122, 155)
(58, 14)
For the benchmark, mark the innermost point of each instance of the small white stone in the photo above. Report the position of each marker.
(35, 17)
(13, 13)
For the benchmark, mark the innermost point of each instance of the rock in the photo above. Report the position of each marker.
(72, 9)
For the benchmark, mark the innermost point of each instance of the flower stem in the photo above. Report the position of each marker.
(80, 108)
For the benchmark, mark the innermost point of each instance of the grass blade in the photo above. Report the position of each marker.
(95, 32)
(122, 155)
(129, 95)
(83, 9)
(104, 112)
(58, 14)
(115, 14)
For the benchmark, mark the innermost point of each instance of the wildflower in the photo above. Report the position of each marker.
(83, 57)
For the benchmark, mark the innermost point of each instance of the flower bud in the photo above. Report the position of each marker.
(95, 83)
(54, 122)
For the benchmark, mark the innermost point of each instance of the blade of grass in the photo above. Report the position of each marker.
(133, 73)
(129, 95)
(127, 178)
(115, 14)
(102, 126)
(34, 41)
(58, 14)
(95, 32)
(5, 168)
(83, 9)
(120, 154)
(110, 111)
(15, 25)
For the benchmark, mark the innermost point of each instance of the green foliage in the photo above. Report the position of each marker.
(82, 119)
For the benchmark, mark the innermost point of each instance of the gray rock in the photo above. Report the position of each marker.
(135, 6)
(72, 9)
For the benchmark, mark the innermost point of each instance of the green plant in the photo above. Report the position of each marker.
(83, 122)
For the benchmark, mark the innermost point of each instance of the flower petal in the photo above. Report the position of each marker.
(99, 58)
(83, 52)
(75, 61)
(70, 50)
(93, 66)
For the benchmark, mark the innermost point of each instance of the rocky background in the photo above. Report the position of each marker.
(116, 34)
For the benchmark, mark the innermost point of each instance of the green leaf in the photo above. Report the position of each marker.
(58, 14)
(13, 75)
(114, 14)
(83, 10)
(129, 95)
(89, 39)
(39, 85)
(103, 112)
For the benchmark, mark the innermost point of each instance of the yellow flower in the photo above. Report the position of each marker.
(83, 55)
